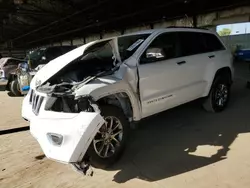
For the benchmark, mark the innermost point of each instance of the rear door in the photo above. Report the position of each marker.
(218, 56)
(194, 51)
(216, 51)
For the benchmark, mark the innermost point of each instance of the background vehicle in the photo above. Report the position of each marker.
(36, 60)
(8, 65)
(242, 55)
(42, 56)
(86, 100)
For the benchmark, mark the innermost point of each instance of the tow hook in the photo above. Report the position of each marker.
(83, 168)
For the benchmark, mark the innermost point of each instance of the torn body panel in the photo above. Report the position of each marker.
(63, 137)
(76, 133)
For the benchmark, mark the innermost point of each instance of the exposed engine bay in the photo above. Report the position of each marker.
(98, 60)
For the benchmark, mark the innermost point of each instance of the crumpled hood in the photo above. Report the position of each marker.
(57, 64)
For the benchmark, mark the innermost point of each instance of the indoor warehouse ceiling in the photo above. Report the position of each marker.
(30, 23)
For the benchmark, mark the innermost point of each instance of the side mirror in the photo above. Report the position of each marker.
(155, 53)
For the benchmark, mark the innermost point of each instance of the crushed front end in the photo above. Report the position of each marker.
(63, 125)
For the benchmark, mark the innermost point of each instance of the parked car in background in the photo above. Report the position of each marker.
(81, 105)
(42, 56)
(242, 54)
(8, 65)
(36, 60)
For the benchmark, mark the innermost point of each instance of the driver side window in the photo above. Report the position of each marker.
(163, 47)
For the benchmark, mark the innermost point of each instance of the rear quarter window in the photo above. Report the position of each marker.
(212, 43)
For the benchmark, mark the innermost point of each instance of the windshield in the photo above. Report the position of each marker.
(103, 53)
(129, 44)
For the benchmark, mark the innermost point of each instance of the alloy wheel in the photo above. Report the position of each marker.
(221, 95)
(109, 137)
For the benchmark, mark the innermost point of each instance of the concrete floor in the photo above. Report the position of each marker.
(183, 147)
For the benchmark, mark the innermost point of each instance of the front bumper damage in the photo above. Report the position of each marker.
(76, 132)
(63, 137)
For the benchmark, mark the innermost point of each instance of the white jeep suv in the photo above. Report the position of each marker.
(81, 105)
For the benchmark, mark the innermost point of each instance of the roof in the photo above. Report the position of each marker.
(7, 58)
(26, 23)
(150, 31)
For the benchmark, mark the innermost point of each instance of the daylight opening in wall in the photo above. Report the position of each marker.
(233, 29)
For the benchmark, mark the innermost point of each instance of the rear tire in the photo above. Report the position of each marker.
(99, 155)
(14, 88)
(219, 95)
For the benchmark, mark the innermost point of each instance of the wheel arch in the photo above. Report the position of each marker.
(121, 100)
(225, 72)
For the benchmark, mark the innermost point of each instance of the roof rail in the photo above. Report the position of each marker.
(184, 27)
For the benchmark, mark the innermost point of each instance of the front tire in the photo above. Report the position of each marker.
(109, 142)
(14, 88)
(219, 96)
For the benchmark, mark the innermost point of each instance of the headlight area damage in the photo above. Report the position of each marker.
(62, 99)
(67, 126)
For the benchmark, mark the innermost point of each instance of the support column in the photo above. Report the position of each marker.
(194, 21)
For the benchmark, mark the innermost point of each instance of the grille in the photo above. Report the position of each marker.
(36, 102)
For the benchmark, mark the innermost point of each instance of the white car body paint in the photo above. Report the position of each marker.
(162, 86)
(76, 137)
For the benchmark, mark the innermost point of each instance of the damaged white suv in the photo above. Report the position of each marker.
(82, 104)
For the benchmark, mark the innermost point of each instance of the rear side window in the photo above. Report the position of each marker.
(192, 43)
(212, 43)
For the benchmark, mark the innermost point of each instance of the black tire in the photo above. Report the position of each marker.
(14, 88)
(220, 87)
(95, 159)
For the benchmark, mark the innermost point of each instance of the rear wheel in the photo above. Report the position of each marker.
(219, 95)
(14, 88)
(109, 142)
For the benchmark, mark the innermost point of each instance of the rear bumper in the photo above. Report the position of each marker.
(77, 131)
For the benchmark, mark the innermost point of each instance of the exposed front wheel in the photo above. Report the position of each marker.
(218, 97)
(109, 142)
(15, 88)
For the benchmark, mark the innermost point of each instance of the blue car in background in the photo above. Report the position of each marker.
(242, 55)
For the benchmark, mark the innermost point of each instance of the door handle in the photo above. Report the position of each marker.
(211, 56)
(181, 62)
